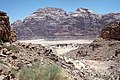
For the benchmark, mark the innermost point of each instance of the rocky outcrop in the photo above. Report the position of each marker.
(4, 27)
(112, 31)
(6, 34)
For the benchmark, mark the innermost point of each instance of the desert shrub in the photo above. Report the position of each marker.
(3, 63)
(52, 72)
(26, 74)
(41, 72)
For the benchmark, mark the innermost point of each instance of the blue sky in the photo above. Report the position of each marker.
(19, 9)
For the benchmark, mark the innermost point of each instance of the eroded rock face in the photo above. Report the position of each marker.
(4, 27)
(12, 37)
(6, 34)
(112, 31)
(56, 22)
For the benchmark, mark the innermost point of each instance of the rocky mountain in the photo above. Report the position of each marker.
(57, 22)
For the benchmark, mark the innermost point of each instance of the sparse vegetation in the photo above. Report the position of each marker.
(41, 72)
(3, 63)
(11, 47)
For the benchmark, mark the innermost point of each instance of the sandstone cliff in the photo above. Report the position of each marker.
(49, 21)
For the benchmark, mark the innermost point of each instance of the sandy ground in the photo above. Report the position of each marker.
(58, 50)
(46, 43)
(100, 66)
(61, 50)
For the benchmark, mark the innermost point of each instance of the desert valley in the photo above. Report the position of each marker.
(83, 45)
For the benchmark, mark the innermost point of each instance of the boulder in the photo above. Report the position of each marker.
(12, 37)
(111, 31)
(6, 35)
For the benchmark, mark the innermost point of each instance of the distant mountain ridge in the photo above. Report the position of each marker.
(57, 22)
